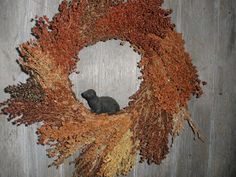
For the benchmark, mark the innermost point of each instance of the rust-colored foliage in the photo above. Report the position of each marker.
(108, 144)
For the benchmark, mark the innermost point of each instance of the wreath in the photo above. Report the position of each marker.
(108, 144)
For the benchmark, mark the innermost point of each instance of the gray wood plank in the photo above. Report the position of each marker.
(196, 25)
(222, 154)
(20, 157)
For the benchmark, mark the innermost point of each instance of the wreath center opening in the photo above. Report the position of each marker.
(110, 68)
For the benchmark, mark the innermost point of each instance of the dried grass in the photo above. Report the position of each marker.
(108, 144)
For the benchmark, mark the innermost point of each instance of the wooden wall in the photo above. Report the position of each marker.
(209, 29)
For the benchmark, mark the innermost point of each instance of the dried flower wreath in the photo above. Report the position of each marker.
(108, 145)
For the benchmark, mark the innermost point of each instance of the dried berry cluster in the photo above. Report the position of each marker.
(108, 144)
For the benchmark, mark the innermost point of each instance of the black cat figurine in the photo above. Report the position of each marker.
(102, 104)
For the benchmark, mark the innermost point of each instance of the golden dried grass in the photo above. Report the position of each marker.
(108, 144)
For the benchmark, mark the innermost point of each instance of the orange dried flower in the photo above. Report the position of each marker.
(156, 110)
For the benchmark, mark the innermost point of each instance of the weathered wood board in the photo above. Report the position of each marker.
(209, 29)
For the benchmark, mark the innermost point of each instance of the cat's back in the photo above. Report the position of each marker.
(109, 103)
